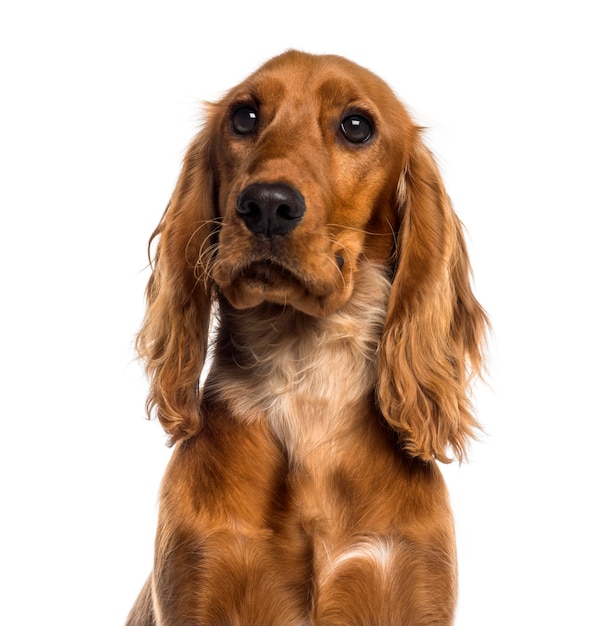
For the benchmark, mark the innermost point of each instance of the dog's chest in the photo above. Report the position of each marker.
(306, 391)
(306, 379)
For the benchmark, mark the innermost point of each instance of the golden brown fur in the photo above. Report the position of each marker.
(303, 487)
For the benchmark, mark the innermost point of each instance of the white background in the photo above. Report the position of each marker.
(99, 101)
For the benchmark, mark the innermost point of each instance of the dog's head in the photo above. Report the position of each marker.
(302, 174)
(308, 153)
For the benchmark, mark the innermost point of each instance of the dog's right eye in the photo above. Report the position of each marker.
(244, 120)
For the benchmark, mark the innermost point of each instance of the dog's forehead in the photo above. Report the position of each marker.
(331, 78)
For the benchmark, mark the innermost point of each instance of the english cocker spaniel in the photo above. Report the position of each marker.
(311, 227)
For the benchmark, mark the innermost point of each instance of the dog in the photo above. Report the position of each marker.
(310, 234)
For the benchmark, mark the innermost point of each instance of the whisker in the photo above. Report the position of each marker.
(216, 222)
(354, 229)
(338, 269)
(206, 253)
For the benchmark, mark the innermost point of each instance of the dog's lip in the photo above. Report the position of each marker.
(267, 272)
(269, 280)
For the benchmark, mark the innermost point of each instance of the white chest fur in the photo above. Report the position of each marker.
(302, 375)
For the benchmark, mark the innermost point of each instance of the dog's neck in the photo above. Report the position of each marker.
(298, 373)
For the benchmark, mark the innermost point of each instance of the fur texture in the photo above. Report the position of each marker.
(311, 225)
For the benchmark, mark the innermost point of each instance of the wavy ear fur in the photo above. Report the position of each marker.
(434, 331)
(174, 336)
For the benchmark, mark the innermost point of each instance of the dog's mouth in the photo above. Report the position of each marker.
(268, 280)
(265, 280)
(267, 275)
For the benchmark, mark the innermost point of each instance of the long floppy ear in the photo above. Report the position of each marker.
(434, 332)
(174, 336)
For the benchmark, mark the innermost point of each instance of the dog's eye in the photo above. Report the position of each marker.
(244, 120)
(357, 128)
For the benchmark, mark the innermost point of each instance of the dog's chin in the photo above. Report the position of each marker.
(266, 282)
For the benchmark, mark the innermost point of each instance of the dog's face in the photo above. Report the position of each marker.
(309, 152)
(303, 175)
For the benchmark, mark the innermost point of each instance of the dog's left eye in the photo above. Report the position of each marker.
(357, 128)
(244, 120)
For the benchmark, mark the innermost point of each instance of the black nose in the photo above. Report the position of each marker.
(270, 208)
